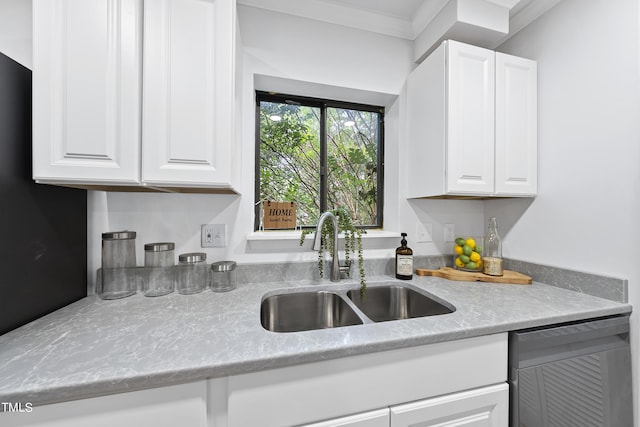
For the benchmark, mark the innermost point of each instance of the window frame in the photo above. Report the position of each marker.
(323, 105)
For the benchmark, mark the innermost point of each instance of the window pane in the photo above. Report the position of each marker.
(290, 157)
(352, 163)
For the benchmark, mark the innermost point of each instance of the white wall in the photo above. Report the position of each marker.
(587, 214)
(15, 30)
(287, 47)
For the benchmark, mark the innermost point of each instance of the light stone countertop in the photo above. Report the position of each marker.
(94, 347)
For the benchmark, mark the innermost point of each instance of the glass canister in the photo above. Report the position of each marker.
(159, 272)
(118, 265)
(192, 273)
(223, 276)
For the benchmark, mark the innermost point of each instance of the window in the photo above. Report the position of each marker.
(321, 154)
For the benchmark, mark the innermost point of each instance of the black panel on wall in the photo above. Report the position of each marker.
(43, 228)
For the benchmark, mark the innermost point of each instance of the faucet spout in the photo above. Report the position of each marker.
(317, 242)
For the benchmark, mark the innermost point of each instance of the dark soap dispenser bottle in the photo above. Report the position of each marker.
(404, 260)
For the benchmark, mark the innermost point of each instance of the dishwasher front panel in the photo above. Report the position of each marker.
(576, 375)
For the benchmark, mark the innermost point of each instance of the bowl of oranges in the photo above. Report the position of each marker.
(467, 253)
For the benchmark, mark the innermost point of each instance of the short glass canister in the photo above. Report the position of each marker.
(223, 276)
(192, 273)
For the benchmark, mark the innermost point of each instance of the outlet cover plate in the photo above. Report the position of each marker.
(213, 235)
(424, 232)
(449, 232)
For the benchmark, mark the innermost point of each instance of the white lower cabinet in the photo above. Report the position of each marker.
(377, 418)
(483, 407)
(352, 387)
(180, 405)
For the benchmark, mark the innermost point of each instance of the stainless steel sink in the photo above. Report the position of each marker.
(318, 309)
(303, 311)
(394, 302)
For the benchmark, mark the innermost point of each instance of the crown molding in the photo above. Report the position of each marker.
(339, 14)
(523, 12)
(508, 4)
(425, 15)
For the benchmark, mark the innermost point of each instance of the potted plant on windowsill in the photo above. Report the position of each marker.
(352, 242)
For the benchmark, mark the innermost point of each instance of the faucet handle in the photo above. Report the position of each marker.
(345, 269)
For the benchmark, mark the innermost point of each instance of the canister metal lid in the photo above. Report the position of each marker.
(159, 247)
(119, 235)
(192, 257)
(222, 266)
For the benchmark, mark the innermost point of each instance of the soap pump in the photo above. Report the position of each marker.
(404, 260)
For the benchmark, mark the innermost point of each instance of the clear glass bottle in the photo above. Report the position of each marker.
(492, 256)
(404, 260)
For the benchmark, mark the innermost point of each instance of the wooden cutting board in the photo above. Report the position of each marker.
(511, 277)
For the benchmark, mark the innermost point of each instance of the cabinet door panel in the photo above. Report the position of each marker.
(179, 405)
(426, 119)
(86, 90)
(378, 418)
(188, 92)
(470, 149)
(484, 407)
(516, 126)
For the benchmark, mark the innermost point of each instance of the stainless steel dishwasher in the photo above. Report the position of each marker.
(571, 375)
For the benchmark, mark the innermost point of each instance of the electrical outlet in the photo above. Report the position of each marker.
(423, 232)
(449, 232)
(213, 235)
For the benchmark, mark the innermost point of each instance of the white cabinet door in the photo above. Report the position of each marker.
(484, 407)
(516, 126)
(180, 405)
(189, 51)
(378, 418)
(470, 119)
(86, 90)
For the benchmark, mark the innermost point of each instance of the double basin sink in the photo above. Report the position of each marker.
(319, 309)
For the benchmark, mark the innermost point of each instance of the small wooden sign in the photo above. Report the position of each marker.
(278, 215)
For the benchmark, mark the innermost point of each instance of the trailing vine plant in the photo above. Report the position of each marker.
(352, 243)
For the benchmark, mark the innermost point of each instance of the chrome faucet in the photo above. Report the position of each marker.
(317, 242)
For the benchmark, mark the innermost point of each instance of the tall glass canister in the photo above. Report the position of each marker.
(117, 275)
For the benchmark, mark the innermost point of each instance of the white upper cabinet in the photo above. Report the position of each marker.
(188, 96)
(516, 125)
(133, 94)
(86, 91)
(471, 116)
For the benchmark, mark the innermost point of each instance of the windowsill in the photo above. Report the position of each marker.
(295, 235)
